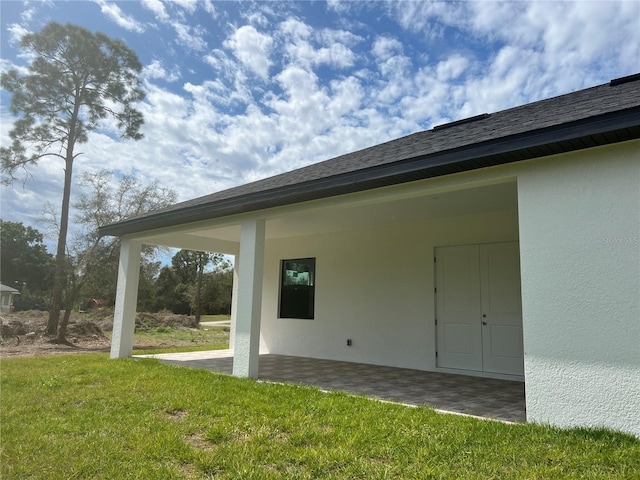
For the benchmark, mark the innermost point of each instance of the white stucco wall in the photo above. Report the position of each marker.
(373, 286)
(580, 259)
(578, 224)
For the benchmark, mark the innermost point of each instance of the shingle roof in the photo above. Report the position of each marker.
(6, 288)
(599, 115)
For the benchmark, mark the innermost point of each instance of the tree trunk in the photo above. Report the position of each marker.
(61, 258)
(62, 331)
(199, 287)
(72, 293)
(61, 338)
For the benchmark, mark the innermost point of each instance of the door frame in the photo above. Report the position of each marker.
(457, 371)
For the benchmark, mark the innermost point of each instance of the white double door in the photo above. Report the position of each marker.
(478, 308)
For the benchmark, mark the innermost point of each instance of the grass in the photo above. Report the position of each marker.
(214, 318)
(181, 339)
(84, 416)
(184, 339)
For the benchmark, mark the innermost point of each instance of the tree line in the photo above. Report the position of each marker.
(193, 283)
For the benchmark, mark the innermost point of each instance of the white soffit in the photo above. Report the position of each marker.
(484, 199)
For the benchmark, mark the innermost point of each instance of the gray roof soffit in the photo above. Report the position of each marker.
(595, 116)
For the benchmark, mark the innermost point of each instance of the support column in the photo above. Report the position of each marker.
(234, 301)
(126, 298)
(247, 334)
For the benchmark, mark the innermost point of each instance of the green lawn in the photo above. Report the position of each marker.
(214, 318)
(166, 339)
(87, 417)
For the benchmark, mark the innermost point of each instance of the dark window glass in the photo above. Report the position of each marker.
(297, 288)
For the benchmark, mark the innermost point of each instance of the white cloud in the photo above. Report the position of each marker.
(302, 94)
(430, 103)
(210, 8)
(452, 67)
(309, 48)
(189, 5)
(501, 21)
(257, 17)
(193, 130)
(430, 17)
(252, 49)
(336, 55)
(340, 6)
(221, 63)
(533, 49)
(512, 79)
(386, 47)
(5, 65)
(190, 37)
(156, 70)
(113, 11)
(330, 36)
(157, 7)
(27, 15)
(16, 32)
(394, 76)
(347, 98)
(296, 29)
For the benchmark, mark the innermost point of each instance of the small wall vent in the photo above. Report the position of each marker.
(627, 79)
(461, 122)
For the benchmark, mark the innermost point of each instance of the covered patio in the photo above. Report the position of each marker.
(488, 246)
(483, 397)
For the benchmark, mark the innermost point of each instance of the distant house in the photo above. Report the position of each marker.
(504, 245)
(7, 295)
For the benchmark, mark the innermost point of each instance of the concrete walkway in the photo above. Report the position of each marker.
(219, 323)
(483, 397)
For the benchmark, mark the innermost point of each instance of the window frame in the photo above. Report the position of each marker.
(297, 301)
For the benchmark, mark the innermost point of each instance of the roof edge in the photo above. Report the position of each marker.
(411, 169)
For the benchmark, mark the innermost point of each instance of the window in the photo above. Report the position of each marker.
(297, 288)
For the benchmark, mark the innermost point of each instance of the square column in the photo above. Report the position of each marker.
(247, 333)
(126, 298)
(234, 300)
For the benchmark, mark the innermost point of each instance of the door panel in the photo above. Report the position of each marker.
(502, 350)
(458, 308)
(502, 341)
(478, 308)
(459, 338)
(500, 264)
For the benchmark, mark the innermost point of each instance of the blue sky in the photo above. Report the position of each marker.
(237, 91)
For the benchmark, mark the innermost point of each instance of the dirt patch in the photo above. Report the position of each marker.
(198, 441)
(147, 321)
(176, 414)
(23, 333)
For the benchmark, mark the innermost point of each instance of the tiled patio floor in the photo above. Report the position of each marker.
(484, 397)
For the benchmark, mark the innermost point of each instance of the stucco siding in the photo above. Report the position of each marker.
(580, 258)
(373, 286)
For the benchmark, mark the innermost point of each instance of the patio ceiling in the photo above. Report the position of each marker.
(360, 211)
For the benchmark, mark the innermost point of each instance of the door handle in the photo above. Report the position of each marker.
(484, 323)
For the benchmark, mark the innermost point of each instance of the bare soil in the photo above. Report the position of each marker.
(23, 333)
